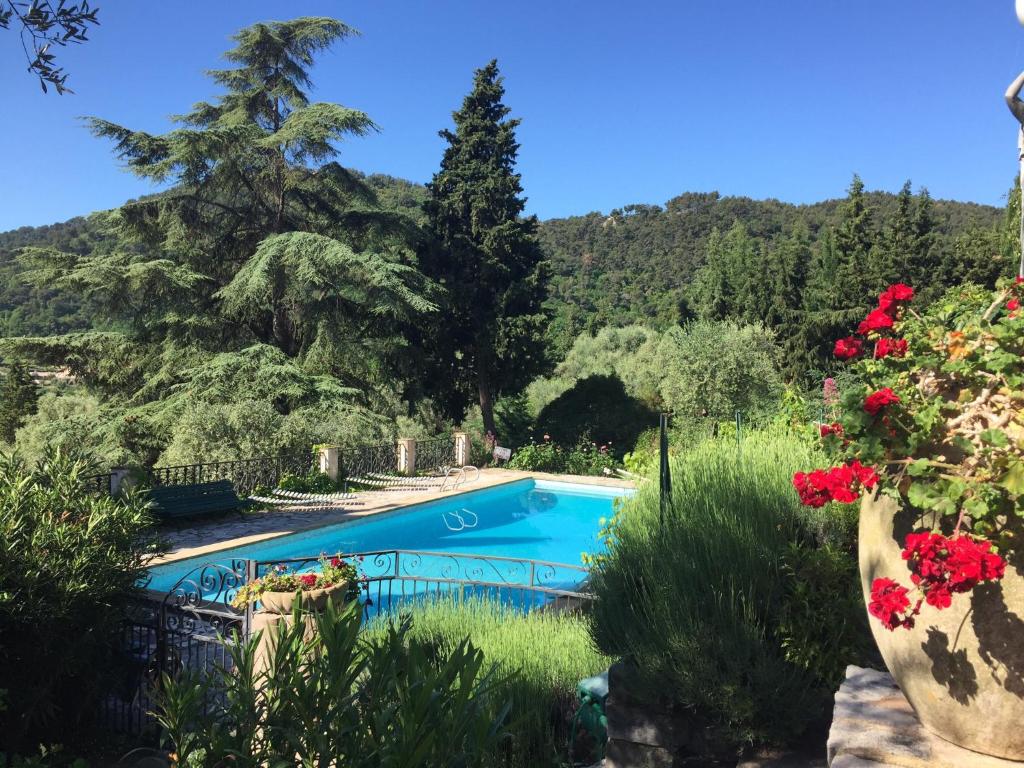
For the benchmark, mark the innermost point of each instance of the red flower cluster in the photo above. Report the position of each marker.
(848, 348)
(1013, 305)
(843, 484)
(941, 567)
(876, 401)
(308, 580)
(887, 603)
(835, 428)
(878, 320)
(886, 347)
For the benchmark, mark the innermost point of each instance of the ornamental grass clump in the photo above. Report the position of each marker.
(741, 611)
(938, 425)
(540, 657)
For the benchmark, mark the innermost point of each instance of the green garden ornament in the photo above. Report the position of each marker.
(1016, 105)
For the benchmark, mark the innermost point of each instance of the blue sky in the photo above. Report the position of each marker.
(620, 103)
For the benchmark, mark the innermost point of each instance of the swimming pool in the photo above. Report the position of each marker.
(488, 535)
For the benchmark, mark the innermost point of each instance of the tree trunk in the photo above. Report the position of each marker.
(486, 399)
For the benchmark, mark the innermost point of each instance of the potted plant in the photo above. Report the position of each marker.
(277, 591)
(932, 445)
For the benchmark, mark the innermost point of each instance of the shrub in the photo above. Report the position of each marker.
(596, 408)
(585, 458)
(69, 564)
(328, 697)
(548, 654)
(740, 609)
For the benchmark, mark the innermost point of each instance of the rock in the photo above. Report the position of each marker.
(628, 722)
(625, 754)
(873, 726)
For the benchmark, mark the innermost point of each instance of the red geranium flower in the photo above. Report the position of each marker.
(877, 320)
(1013, 305)
(848, 348)
(888, 601)
(835, 428)
(890, 348)
(876, 401)
(308, 579)
(899, 292)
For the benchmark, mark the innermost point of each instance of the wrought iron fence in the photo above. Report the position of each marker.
(245, 474)
(391, 579)
(435, 454)
(99, 483)
(376, 463)
(190, 629)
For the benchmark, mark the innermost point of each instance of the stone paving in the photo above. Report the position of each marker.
(202, 537)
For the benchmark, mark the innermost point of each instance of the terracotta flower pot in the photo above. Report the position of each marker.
(312, 599)
(961, 668)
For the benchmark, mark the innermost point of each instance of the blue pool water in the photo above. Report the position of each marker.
(528, 519)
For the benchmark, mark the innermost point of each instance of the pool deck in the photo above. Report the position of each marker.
(203, 537)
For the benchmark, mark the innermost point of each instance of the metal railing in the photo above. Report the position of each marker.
(99, 483)
(245, 474)
(435, 454)
(190, 628)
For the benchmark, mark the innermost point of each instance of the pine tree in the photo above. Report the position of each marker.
(486, 255)
(262, 248)
(18, 398)
(900, 239)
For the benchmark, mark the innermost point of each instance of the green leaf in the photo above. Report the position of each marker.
(918, 468)
(996, 437)
(1013, 480)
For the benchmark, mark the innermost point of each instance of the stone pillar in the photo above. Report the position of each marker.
(119, 480)
(330, 456)
(406, 456)
(461, 449)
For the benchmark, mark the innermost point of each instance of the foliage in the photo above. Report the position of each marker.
(70, 562)
(71, 421)
(43, 25)
(790, 269)
(333, 572)
(328, 696)
(541, 656)
(714, 369)
(584, 458)
(719, 607)
(486, 255)
(264, 255)
(596, 408)
(19, 397)
(939, 423)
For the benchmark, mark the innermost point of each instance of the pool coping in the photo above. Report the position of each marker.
(489, 478)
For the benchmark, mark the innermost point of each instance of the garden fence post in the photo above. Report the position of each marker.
(461, 449)
(329, 460)
(739, 428)
(407, 456)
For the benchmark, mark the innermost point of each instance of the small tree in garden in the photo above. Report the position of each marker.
(939, 426)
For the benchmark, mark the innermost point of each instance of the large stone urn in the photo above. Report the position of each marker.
(961, 668)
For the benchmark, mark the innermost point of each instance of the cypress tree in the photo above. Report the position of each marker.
(485, 253)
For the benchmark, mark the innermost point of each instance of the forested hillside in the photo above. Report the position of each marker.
(768, 261)
(630, 266)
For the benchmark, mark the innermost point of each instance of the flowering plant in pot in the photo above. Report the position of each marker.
(933, 440)
(336, 580)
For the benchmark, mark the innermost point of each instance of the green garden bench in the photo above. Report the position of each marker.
(171, 501)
